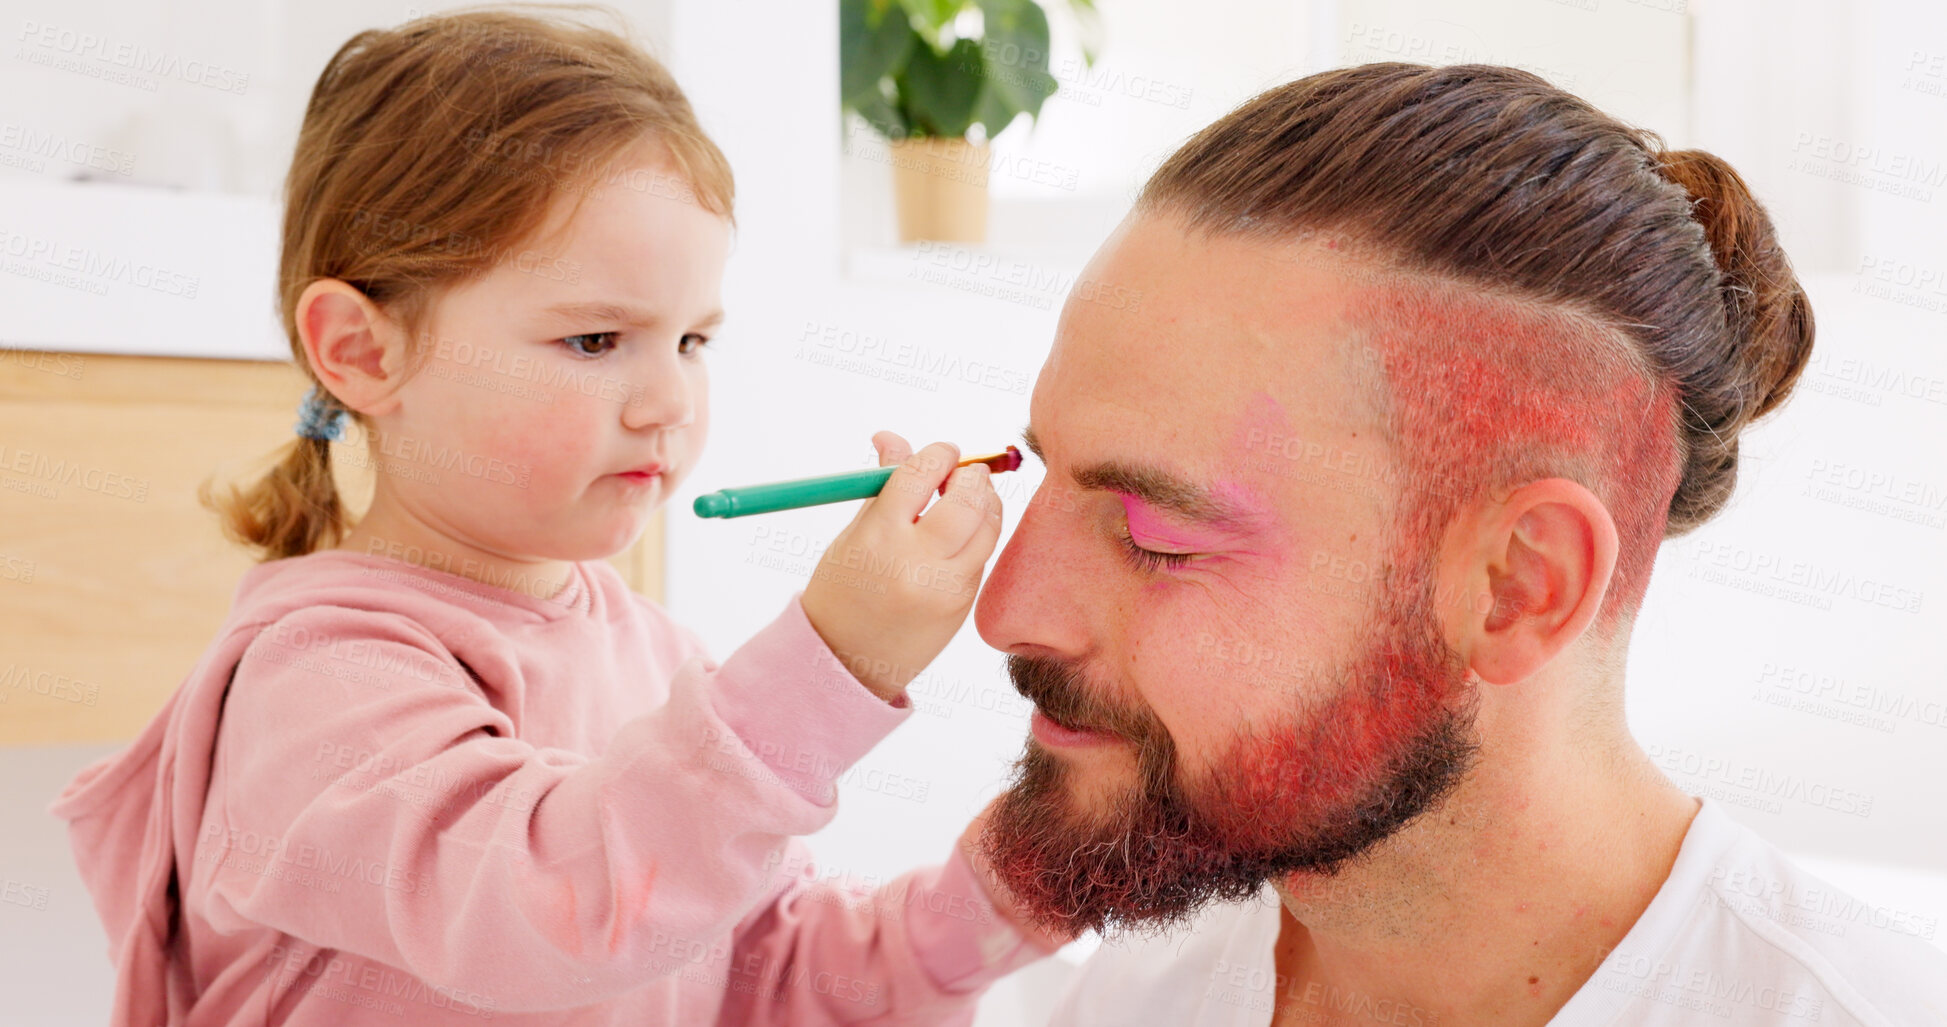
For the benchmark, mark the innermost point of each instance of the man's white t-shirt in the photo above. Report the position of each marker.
(1737, 935)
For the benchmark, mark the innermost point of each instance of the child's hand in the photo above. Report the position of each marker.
(894, 586)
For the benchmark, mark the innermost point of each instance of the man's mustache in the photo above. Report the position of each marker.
(1063, 697)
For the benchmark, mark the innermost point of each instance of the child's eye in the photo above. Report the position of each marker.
(573, 342)
(1148, 559)
(701, 341)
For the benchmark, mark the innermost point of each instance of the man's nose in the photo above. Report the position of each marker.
(1035, 598)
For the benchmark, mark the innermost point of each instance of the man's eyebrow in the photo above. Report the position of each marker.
(1033, 444)
(1153, 485)
(617, 313)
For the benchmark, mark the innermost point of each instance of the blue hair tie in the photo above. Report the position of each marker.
(319, 416)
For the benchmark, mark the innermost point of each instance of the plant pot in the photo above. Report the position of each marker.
(941, 189)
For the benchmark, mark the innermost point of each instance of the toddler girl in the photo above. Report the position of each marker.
(442, 765)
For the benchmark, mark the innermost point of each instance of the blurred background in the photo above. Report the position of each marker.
(1788, 660)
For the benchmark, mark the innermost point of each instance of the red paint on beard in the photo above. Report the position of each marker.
(1334, 781)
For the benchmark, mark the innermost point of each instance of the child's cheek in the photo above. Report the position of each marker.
(545, 444)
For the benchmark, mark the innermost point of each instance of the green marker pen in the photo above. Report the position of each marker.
(830, 488)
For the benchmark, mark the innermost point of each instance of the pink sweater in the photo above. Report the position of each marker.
(426, 800)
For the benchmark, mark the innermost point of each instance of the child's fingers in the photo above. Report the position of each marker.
(953, 519)
(913, 482)
(892, 448)
(981, 545)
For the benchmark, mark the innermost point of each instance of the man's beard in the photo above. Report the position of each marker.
(1321, 788)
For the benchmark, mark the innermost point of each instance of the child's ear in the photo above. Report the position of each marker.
(354, 348)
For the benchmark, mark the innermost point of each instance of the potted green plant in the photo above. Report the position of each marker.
(939, 79)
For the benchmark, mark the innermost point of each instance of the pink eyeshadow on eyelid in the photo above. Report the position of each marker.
(1259, 534)
(1150, 529)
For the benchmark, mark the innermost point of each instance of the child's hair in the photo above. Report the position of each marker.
(428, 153)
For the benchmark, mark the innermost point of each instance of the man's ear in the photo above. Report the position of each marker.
(354, 348)
(1544, 556)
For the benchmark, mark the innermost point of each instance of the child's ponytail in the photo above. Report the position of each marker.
(292, 510)
(429, 153)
